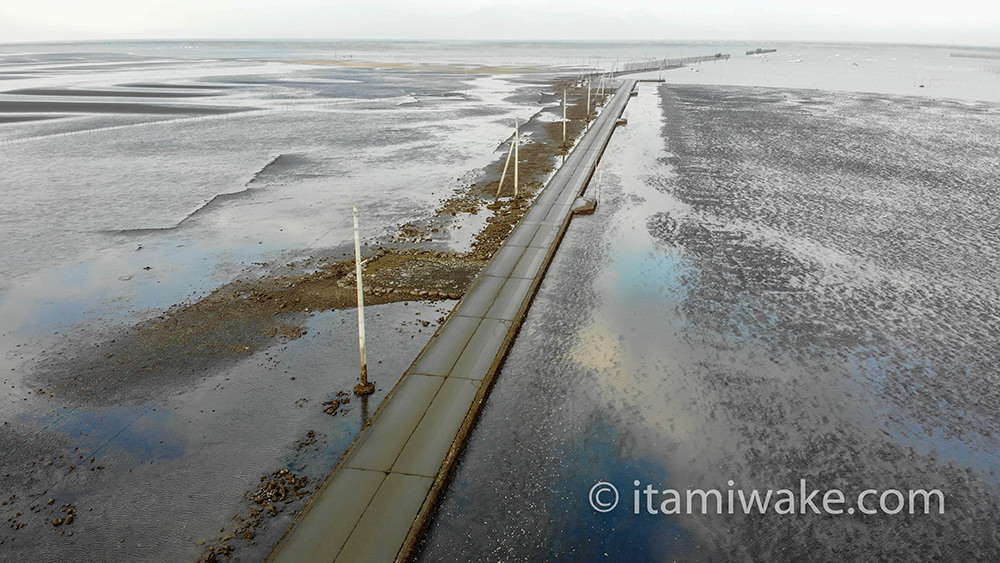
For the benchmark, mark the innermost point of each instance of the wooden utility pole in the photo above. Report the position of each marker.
(496, 200)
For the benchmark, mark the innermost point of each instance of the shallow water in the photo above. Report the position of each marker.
(257, 160)
(777, 285)
(113, 217)
(162, 478)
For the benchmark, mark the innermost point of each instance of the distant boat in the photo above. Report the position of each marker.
(759, 51)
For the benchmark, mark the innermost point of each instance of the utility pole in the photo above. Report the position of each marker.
(564, 116)
(365, 387)
(517, 142)
(588, 104)
(496, 200)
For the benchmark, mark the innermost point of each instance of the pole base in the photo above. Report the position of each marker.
(362, 389)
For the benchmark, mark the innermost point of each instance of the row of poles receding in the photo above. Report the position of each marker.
(366, 387)
(516, 141)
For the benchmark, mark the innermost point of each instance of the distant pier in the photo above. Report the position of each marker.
(660, 64)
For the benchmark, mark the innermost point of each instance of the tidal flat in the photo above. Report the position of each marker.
(789, 274)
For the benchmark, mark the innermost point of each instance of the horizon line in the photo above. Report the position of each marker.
(494, 40)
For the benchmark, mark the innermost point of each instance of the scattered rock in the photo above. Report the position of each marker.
(309, 440)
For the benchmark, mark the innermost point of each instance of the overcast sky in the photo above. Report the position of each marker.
(964, 22)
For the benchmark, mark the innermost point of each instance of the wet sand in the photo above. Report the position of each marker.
(777, 285)
(430, 67)
(245, 315)
(122, 93)
(17, 106)
(100, 454)
(24, 118)
(124, 392)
